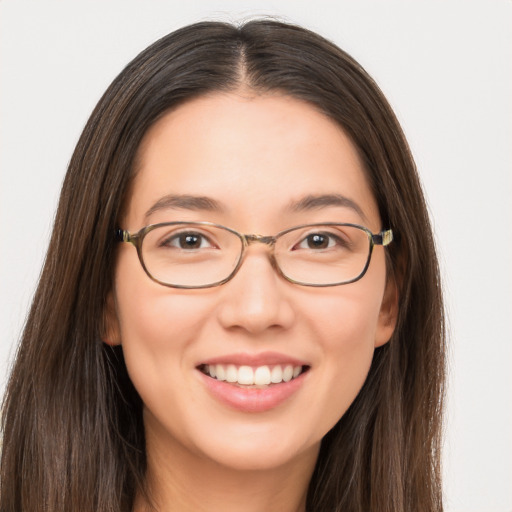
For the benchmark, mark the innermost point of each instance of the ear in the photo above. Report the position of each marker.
(388, 314)
(110, 331)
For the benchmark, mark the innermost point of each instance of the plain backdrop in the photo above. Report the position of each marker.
(446, 68)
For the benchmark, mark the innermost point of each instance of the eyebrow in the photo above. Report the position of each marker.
(204, 203)
(185, 202)
(315, 202)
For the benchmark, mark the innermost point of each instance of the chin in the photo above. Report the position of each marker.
(255, 456)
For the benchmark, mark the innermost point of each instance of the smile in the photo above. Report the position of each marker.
(253, 376)
(253, 383)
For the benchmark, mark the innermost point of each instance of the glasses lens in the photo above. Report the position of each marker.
(190, 254)
(323, 254)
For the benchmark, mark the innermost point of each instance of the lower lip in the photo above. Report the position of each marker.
(246, 399)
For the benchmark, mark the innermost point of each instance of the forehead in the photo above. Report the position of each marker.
(253, 155)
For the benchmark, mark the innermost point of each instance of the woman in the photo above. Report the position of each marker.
(274, 340)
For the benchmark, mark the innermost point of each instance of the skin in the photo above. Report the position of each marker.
(254, 155)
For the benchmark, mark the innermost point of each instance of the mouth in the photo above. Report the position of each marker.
(254, 383)
(253, 376)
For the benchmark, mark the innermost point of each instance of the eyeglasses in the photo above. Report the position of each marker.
(204, 254)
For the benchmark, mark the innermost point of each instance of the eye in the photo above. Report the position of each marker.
(319, 241)
(187, 240)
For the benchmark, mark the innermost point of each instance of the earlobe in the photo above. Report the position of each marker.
(388, 314)
(110, 332)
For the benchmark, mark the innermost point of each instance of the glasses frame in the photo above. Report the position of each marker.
(383, 238)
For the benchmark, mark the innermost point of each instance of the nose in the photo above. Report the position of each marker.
(257, 298)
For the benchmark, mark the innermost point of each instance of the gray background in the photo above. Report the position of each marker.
(446, 68)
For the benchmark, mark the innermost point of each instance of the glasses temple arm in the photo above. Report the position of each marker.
(121, 235)
(383, 238)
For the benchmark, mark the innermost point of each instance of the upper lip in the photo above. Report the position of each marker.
(260, 359)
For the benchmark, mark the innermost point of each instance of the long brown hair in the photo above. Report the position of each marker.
(73, 437)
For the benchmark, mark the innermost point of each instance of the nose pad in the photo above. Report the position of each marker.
(273, 263)
(257, 297)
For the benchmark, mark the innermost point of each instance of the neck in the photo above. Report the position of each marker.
(178, 480)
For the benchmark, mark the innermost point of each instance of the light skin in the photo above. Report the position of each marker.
(256, 157)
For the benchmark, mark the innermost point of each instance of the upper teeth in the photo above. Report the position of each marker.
(247, 375)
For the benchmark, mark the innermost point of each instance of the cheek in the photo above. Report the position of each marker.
(345, 326)
(157, 325)
(150, 314)
(152, 322)
(346, 318)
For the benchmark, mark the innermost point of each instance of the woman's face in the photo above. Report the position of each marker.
(256, 159)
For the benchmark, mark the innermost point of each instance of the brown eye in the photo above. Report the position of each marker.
(317, 241)
(187, 240)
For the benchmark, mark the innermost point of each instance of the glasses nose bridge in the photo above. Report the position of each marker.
(261, 239)
(269, 241)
